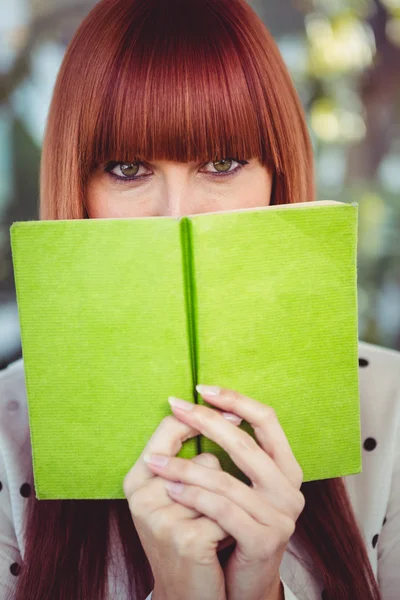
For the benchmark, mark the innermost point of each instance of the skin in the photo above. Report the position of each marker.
(172, 189)
(210, 512)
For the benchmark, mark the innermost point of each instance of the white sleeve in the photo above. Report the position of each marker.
(389, 539)
(150, 595)
(14, 456)
(10, 558)
(288, 594)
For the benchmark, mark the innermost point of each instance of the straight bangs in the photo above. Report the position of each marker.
(181, 96)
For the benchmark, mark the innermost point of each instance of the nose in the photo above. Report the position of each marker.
(176, 191)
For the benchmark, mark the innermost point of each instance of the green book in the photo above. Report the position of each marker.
(118, 314)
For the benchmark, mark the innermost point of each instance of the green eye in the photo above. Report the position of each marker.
(223, 165)
(129, 170)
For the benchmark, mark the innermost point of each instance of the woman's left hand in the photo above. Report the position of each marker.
(261, 518)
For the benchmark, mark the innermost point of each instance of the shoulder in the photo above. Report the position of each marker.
(371, 490)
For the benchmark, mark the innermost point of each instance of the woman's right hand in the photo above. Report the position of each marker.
(180, 543)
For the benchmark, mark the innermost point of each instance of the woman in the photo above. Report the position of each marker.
(171, 108)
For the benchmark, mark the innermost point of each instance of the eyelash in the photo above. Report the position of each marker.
(111, 165)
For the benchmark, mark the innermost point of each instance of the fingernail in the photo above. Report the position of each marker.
(208, 390)
(231, 417)
(175, 488)
(156, 459)
(181, 404)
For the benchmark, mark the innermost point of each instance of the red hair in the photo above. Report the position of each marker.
(184, 81)
(176, 80)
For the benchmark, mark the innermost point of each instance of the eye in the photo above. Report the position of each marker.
(124, 171)
(224, 166)
(129, 170)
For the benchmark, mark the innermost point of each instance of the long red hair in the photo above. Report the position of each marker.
(187, 81)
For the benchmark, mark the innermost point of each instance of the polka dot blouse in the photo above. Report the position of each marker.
(374, 493)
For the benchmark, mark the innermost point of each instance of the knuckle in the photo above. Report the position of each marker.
(127, 485)
(168, 421)
(267, 413)
(212, 416)
(275, 538)
(207, 459)
(132, 481)
(299, 475)
(287, 528)
(161, 524)
(272, 542)
(247, 442)
(223, 483)
(262, 545)
(234, 399)
(184, 539)
(183, 468)
(222, 508)
(300, 502)
(137, 504)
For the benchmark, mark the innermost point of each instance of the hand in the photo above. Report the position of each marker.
(180, 543)
(261, 518)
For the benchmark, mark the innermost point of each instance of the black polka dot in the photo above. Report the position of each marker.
(384, 520)
(370, 444)
(15, 569)
(25, 490)
(1, 486)
(363, 362)
(375, 540)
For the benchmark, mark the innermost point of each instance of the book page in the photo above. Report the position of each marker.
(276, 320)
(105, 342)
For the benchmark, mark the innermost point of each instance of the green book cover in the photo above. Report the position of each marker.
(118, 314)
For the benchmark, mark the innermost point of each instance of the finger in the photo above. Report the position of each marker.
(242, 448)
(157, 497)
(205, 531)
(206, 459)
(222, 483)
(267, 429)
(167, 439)
(252, 537)
(246, 454)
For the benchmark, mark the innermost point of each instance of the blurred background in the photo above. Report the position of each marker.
(344, 57)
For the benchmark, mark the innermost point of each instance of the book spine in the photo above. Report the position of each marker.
(190, 294)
